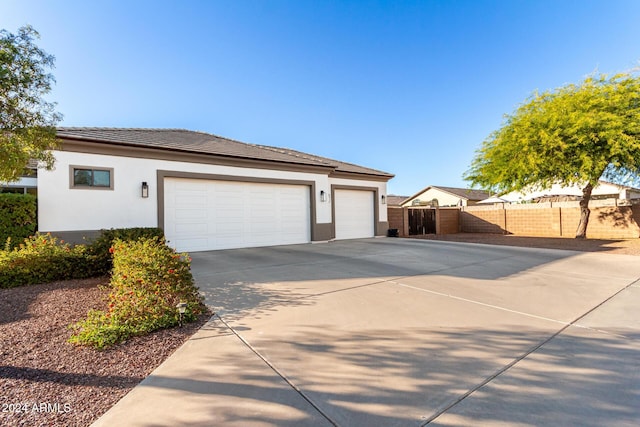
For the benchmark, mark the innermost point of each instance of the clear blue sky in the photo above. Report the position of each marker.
(408, 87)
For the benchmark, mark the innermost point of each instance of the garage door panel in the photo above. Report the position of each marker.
(228, 215)
(265, 192)
(265, 213)
(198, 199)
(191, 228)
(196, 244)
(354, 214)
(224, 205)
(188, 214)
(190, 185)
(206, 215)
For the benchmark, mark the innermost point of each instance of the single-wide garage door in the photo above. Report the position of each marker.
(204, 215)
(354, 214)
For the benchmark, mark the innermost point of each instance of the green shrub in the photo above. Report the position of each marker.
(18, 217)
(148, 280)
(98, 249)
(43, 258)
(39, 259)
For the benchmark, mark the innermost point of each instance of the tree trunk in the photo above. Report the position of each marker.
(581, 232)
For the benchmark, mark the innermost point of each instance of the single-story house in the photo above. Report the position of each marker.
(561, 193)
(205, 191)
(445, 197)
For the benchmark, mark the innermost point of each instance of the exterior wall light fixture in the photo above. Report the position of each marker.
(323, 196)
(145, 190)
(383, 199)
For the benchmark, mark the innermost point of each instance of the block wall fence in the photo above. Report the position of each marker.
(557, 219)
(447, 220)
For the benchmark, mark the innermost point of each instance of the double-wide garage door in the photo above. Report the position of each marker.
(205, 215)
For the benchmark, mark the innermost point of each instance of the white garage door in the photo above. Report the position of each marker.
(205, 215)
(354, 214)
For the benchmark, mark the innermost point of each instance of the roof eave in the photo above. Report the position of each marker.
(356, 175)
(84, 145)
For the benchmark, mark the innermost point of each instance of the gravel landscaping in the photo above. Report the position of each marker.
(46, 381)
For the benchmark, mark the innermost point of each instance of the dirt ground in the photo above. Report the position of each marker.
(618, 246)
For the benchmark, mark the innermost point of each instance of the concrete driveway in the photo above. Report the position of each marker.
(395, 332)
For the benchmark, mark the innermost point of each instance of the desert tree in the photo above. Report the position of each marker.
(27, 120)
(574, 135)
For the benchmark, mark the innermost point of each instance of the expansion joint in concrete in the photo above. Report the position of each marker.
(525, 355)
(278, 372)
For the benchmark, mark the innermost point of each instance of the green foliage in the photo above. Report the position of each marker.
(41, 259)
(148, 280)
(18, 218)
(98, 249)
(26, 119)
(573, 135)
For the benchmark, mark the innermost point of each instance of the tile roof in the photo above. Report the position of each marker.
(467, 193)
(205, 143)
(393, 200)
(339, 166)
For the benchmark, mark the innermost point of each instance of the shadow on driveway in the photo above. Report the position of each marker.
(377, 383)
(235, 279)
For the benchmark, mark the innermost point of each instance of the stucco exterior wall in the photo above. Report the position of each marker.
(61, 208)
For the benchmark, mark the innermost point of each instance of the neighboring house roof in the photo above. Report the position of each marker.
(464, 193)
(393, 200)
(493, 199)
(467, 193)
(205, 143)
(560, 192)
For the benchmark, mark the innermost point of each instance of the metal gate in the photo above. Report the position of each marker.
(422, 221)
